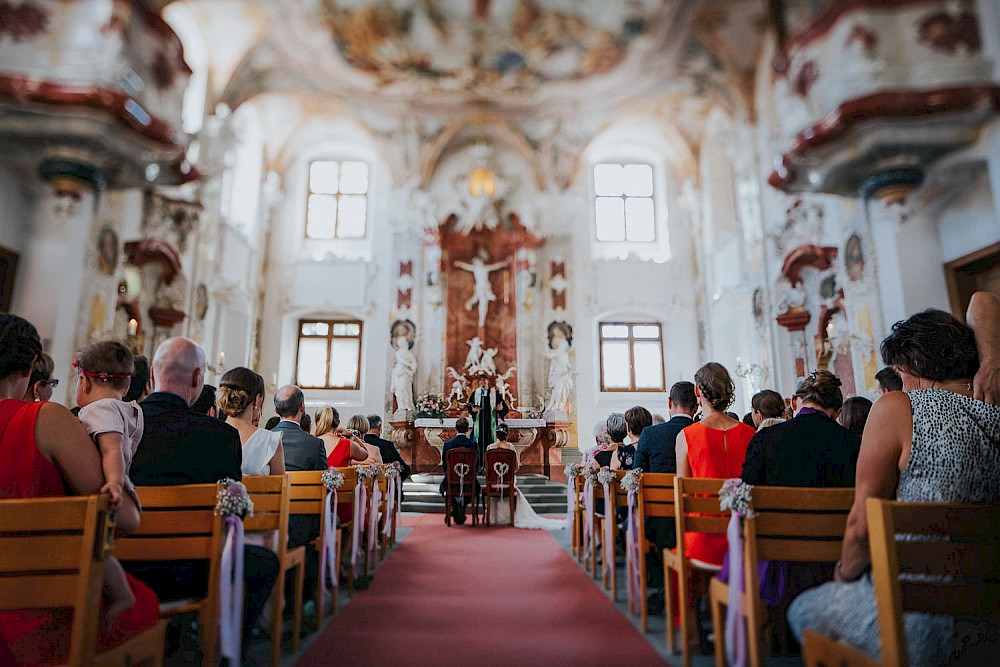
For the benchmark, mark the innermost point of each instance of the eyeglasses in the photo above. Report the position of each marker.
(49, 383)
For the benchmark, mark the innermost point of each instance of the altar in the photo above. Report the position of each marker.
(538, 443)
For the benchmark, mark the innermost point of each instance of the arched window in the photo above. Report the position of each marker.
(623, 203)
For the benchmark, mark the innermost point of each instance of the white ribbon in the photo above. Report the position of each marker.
(461, 469)
(633, 554)
(736, 640)
(231, 591)
(501, 469)
(373, 520)
(391, 506)
(609, 546)
(328, 552)
(588, 518)
(571, 509)
(360, 498)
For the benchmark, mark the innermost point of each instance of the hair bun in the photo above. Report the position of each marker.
(232, 400)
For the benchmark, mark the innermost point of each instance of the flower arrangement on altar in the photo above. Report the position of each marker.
(631, 481)
(233, 499)
(605, 475)
(394, 469)
(431, 406)
(572, 471)
(333, 478)
(735, 497)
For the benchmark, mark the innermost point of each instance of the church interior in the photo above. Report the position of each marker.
(573, 204)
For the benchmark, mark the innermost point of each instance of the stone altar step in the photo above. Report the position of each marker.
(545, 496)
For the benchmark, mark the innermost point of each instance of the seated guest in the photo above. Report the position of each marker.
(637, 420)
(41, 384)
(140, 387)
(205, 403)
(656, 452)
(766, 404)
(47, 453)
(888, 380)
(748, 419)
(854, 414)
(931, 442)
(461, 439)
(306, 423)
(810, 450)
(303, 451)
(271, 422)
(617, 430)
(712, 447)
(770, 421)
(240, 400)
(601, 442)
(340, 448)
(357, 426)
(181, 446)
(658, 418)
(388, 450)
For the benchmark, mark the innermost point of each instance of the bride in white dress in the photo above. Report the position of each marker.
(524, 515)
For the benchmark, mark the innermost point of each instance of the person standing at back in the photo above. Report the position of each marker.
(303, 451)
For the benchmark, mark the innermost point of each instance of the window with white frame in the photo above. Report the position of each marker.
(631, 356)
(329, 354)
(337, 206)
(623, 203)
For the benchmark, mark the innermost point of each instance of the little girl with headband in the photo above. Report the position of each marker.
(105, 373)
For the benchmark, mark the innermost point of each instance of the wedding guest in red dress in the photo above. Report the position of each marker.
(47, 453)
(712, 447)
(340, 451)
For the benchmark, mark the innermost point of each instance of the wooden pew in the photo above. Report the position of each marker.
(308, 498)
(656, 499)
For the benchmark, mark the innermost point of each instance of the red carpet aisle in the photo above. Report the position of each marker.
(472, 596)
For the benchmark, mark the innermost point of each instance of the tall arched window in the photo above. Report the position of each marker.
(337, 205)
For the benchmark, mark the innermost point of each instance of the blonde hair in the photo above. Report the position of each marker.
(358, 423)
(327, 419)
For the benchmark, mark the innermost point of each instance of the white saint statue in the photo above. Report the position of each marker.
(459, 388)
(560, 381)
(404, 368)
(503, 388)
(486, 364)
(483, 291)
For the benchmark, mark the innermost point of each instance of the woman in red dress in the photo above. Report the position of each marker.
(712, 447)
(47, 453)
(340, 451)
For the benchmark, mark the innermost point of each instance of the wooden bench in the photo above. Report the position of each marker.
(179, 523)
(52, 554)
(656, 499)
(308, 498)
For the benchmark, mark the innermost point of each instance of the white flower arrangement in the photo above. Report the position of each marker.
(589, 473)
(572, 470)
(333, 479)
(735, 497)
(394, 469)
(366, 473)
(431, 406)
(233, 499)
(632, 480)
(605, 475)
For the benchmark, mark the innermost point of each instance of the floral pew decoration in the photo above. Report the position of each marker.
(572, 471)
(333, 479)
(394, 491)
(605, 477)
(589, 480)
(233, 503)
(631, 483)
(366, 474)
(735, 496)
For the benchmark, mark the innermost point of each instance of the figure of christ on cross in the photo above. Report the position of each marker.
(483, 292)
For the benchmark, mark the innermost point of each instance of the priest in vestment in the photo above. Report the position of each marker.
(485, 406)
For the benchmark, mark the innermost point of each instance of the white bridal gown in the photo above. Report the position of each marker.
(524, 515)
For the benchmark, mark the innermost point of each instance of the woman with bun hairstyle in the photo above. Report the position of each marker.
(240, 399)
(713, 447)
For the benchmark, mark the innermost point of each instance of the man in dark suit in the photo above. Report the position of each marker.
(461, 439)
(181, 446)
(386, 448)
(656, 453)
(303, 451)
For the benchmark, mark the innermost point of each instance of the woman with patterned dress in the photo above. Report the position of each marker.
(47, 453)
(931, 442)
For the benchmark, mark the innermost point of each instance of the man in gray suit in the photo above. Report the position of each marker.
(302, 450)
